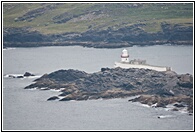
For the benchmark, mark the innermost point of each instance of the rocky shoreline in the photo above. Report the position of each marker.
(157, 89)
(110, 38)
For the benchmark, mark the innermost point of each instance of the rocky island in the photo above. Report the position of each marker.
(157, 89)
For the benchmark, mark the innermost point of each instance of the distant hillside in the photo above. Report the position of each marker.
(97, 24)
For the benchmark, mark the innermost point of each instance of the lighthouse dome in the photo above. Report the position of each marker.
(124, 50)
(125, 56)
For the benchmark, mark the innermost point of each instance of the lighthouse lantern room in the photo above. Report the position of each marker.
(125, 56)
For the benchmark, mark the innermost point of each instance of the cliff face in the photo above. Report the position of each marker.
(123, 37)
(116, 83)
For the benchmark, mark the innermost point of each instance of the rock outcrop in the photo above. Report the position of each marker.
(52, 98)
(179, 101)
(26, 74)
(162, 88)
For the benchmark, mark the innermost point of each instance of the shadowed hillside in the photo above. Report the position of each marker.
(99, 25)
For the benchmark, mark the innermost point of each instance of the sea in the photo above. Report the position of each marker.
(29, 110)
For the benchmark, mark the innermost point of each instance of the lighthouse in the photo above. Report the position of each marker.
(137, 63)
(125, 56)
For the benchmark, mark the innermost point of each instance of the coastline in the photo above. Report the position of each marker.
(94, 44)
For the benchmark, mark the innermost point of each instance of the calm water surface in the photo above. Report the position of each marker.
(29, 110)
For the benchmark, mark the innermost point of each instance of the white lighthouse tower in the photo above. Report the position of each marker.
(125, 56)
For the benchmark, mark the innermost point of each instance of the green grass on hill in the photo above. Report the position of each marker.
(85, 16)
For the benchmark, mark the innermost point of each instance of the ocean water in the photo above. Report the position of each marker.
(29, 110)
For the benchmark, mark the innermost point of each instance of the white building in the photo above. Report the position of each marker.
(125, 56)
(137, 63)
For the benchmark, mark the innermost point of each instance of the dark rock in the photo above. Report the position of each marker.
(161, 104)
(27, 74)
(11, 76)
(179, 105)
(155, 88)
(67, 98)
(44, 89)
(66, 75)
(185, 84)
(19, 77)
(83, 97)
(65, 93)
(44, 76)
(123, 79)
(175, 109)
(53, 98)
(104, 69)
(164, 101)
(93, 97)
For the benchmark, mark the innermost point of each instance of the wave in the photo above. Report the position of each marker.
(55, 90)
(37, 76)
(165, 116)
(12, 75)
(35, 88)
(9, 48)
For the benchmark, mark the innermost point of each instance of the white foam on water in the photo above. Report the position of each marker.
(55, 90)
(154, 105)
(12, 75)
(31, 77)
(8, 48)
(166, 116)
(145, 105)
(35, 88)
